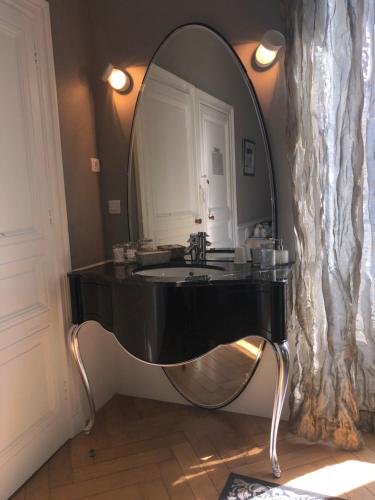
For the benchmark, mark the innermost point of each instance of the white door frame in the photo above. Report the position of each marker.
(53, 153)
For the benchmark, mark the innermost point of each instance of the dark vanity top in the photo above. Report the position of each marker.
(164, 320)
(232, 272)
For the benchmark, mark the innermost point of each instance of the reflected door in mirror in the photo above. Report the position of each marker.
(215, 126)
(165, 153)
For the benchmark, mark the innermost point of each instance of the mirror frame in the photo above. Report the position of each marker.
(256, 105)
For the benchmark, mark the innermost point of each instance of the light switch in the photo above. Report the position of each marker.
(114, 207)
(95, 165)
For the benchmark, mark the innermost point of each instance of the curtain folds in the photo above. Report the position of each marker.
(331, 135)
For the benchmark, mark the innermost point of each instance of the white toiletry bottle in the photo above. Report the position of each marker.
(282, 256)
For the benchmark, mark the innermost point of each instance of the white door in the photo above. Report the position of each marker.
(217, 184)
(165, 142)
(33, 403)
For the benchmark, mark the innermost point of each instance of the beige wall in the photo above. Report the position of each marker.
(73, 62)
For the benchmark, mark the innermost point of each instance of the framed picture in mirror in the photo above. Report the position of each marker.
(248, 156)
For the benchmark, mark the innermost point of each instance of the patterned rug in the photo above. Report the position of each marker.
(245, 487)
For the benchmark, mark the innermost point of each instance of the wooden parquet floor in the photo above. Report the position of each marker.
(143, 449)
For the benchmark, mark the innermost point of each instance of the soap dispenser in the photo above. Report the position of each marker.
(282, 256)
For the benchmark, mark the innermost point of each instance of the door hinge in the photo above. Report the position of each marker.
(50, 216)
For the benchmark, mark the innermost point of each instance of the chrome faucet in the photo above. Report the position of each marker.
(198, 246)
(203, 244)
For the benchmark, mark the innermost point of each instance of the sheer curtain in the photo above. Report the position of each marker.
(330, 76)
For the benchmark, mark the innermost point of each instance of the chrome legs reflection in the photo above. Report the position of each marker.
(74, 347)
(282, 360)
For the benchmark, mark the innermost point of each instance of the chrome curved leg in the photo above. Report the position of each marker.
(74, 347)
(282, 360)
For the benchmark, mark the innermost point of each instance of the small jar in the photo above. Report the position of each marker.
(129, 251)
(118, 254)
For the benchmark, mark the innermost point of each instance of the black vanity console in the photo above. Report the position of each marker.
(166, 321)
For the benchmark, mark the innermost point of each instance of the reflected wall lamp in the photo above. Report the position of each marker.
(118, 79)
(265, 55)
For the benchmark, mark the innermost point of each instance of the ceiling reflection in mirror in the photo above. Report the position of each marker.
(199, 157)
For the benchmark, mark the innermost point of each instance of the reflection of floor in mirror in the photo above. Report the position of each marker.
(150, 449)
(218, 376)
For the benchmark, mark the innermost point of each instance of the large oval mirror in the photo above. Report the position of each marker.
(200, 161)
(199, 157)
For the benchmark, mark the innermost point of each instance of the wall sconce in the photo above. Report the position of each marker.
(118, 79)
(269, 46)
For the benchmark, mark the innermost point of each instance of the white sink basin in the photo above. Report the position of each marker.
(180, 272)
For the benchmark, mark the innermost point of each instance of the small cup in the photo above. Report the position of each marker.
(129, 251)
(118, 254)
(268, 258)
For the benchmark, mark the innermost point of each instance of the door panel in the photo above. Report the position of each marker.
(166, 159)
(22, 289)
(33, 410)
(23, 368)
(14, 136)
(216, 131)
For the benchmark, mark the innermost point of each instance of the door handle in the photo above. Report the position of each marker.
(198, 220)
(211, 217)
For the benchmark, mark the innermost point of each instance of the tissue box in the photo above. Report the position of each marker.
(177, 251)
(153, 258)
